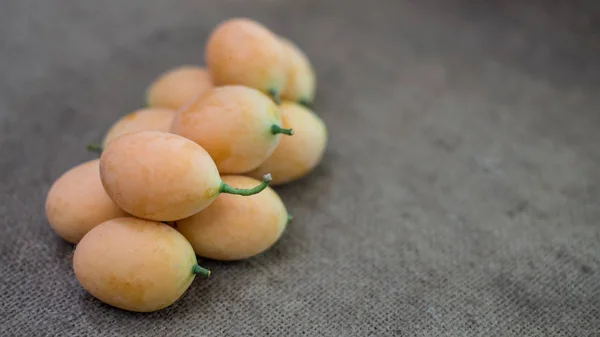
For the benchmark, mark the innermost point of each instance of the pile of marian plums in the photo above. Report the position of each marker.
(189, 174)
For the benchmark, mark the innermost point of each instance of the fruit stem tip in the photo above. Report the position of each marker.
(95, 148)
(198, 270)
(305, 103)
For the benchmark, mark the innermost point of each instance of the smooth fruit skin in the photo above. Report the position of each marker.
(295, 156)
(235, 227)
(176, 87)
(233, 123)
(158, 119)
(301, 80)
(77, 202)
(243, 51)
(158, 175)
(134, 264)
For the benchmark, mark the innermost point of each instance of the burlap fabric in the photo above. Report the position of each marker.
(459, 195)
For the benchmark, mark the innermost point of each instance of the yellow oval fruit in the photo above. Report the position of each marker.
(235, 227)
(162, 176)
(158, 119)
(301, 79)
(176, 87)
(296, 156)
(135, 264)
(243, 51)
(237, 125)
(77, 202)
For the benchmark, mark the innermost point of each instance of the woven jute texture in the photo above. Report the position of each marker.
(459, 195)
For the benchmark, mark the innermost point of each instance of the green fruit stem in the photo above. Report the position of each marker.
(95, 148)
(290, 218)
(198, 270)
(266, 180)
(275, 129)
(275, 96)
(305, 103)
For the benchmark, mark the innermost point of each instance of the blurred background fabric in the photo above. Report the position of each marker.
(459, 195)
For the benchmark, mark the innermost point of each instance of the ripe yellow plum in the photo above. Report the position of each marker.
(296, 156)
(245, 52)
(176, 87)
(301, 79)
(161, 176)
(234, 227)
(135, 264)
(158, 119)
(237, 125)
(77, 202)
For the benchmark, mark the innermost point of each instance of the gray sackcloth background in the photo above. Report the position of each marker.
(459, 195)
